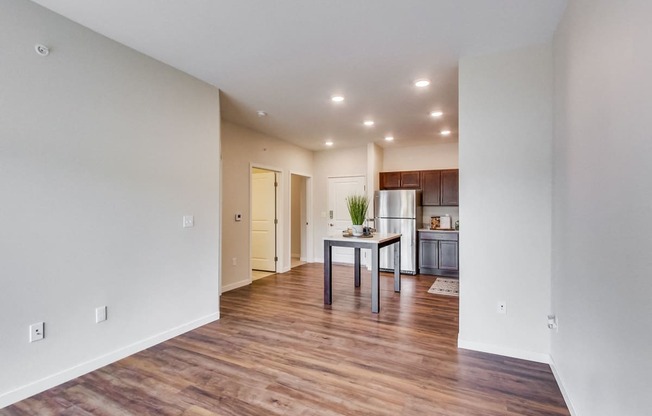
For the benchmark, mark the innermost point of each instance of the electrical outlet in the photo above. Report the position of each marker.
(235, 261)
(100, 314)
(501, 307)
(36, 332)
(553, 323)
(188, 221)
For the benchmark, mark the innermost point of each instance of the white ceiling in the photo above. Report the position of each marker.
(287, 57)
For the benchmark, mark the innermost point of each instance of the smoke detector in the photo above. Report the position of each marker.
(42, 50)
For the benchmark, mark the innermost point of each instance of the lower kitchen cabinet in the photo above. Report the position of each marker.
(439, 253)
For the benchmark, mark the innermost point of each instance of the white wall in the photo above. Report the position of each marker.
(437, 155)
(505, 167)
(601, 287)
(332, 163)
(242, 148)
(102, 151)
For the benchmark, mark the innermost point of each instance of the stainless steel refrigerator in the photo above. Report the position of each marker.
(399, 211)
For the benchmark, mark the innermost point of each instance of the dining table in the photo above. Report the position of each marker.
(374, 242)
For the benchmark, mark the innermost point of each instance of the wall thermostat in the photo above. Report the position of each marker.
(42, 50)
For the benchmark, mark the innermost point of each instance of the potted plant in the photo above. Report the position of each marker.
(357, 205)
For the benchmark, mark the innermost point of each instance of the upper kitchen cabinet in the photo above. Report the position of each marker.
(400, 180)
(449, 187)
(431, 187)
(411, 180)
(440, 187)
(390, 180)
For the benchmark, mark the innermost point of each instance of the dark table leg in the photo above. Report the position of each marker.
(328, 274)
(356, 266)
(397, 267)
(375, 281)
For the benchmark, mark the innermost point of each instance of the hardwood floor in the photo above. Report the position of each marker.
(278, 351)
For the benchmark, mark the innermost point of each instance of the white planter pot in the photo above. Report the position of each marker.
(358, 230)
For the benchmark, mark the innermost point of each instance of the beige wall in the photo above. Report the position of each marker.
(241, 149)
(375, 155)
(434, 156)
(368, 161)
(424, 157)
(331, 163)
(295, 214)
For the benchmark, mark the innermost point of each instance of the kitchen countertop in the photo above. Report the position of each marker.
(422, 230)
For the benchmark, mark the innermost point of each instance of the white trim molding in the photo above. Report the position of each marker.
(507, 352)
(564, 393)
(236, 285)
(523, 355)
(61, 377)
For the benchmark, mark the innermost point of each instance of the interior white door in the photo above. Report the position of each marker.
(338, 214)
(263, 220)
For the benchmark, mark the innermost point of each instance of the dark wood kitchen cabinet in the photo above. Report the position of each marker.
(390, 180)
(439, 253)
(440, 187)
(400, 180)
(450, 187)
(431, 187)
(411, 180)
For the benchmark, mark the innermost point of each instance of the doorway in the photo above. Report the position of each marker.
(264, 221)
(298, 220)
(338, 214)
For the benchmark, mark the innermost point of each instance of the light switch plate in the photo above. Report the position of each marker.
(100, 314)
(188, 221)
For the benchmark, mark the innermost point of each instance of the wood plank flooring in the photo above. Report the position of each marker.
(277, 350)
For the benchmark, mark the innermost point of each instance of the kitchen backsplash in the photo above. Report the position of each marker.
(428, 212)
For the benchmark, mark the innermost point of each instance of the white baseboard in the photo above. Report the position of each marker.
(507, 352)
(564, 393)
(235, 285)
(319, 259)
(524, 355)
(303, 259)
(61, 377)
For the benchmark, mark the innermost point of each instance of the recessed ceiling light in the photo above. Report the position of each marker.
(436, 114)
(421, 83)
(389, 138)
(337, 98)
(369, 123)
(445, 132)
(261, 113)
(329, 143)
